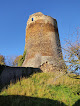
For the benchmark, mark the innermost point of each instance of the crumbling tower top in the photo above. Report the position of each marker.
(42, 41)
(40, 16)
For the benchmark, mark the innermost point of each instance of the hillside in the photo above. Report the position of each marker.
(48, 89)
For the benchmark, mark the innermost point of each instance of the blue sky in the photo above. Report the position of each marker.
(15, 13)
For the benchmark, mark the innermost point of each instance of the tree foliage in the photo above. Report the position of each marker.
(2, 60)
(72, 52)
(21, 60)
(15, 63)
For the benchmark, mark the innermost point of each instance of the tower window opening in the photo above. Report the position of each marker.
(32, 19)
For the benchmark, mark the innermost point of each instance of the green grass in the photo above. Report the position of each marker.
(43, 89)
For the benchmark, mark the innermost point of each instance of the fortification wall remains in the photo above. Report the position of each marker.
(12, 74)
(42, 45)
(42, 41)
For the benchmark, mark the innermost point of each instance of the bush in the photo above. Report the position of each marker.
(2, 60)
(21, 60)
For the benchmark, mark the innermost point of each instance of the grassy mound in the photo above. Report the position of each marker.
(48, 89)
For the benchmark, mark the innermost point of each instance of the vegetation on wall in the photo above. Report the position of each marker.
(21, 59)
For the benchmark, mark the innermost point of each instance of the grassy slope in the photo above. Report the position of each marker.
(43, 89)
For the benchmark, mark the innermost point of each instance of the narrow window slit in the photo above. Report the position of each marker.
(32, 19)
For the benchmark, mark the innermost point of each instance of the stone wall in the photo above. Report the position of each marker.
(12, 74)
(42, 41)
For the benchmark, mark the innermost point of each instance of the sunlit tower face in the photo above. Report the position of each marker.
(42, 41)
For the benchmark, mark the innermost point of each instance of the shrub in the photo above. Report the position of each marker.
(21, 60)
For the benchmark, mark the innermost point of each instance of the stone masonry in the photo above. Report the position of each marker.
(42, 41)
(43, 50)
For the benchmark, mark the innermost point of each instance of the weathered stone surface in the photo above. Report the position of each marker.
(46, 67)
(42, 41)
(11, 74)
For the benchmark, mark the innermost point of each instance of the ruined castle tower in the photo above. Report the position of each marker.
(42, 41)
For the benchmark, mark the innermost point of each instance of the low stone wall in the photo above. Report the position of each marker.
(11, 74)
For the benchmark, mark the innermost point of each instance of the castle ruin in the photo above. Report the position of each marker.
(42, 41)
(43, 50)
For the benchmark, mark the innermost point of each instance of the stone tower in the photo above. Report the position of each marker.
(42, 41)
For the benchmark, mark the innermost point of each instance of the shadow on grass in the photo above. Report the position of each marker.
(77, 103)
(17, 100)
(75, 77)
(13, 74)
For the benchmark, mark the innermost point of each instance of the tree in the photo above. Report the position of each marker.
(13, 60)
(21, 60)
(2, 60)
(17, 59)
(72, 52)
